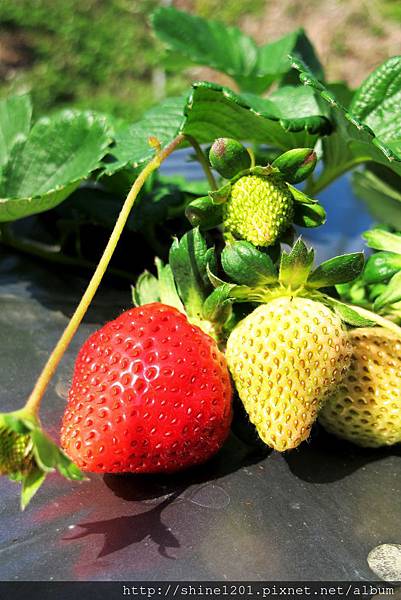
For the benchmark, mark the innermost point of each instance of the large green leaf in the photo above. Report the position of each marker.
(213, 111)
(382, 200)
(227, 49)
(206, 42)
(295, 107)
(49, 164)
(377, 102)
(132, 142)
(15, 121)
(363, 138)
(380, 239)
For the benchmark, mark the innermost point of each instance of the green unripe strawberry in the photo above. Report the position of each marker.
(229, 157)
(259, 209)
(366, 408)
(286, 358)
(16, 452)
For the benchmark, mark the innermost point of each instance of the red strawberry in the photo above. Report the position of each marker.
(150, 393)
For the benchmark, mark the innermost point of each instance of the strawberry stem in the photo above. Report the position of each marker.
(382, 321)
(203, 161)
(50, 367)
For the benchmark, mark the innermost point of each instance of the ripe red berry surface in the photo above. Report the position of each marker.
(150, 393)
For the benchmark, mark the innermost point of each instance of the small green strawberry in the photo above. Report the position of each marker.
(292, 352)
(366, 408)
(16, 455)
(258, 203)
(259, 209)
(27, 454)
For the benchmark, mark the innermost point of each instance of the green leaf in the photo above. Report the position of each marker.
(189, 258)
(295, 266)
(383, 200)
(15, 122)
(215, 111)
(57, 155)
(296, 107)
(377, 102)
(354, 140)
(14, 422)
(205, 42)
(30, 485)
(45, 450)
(167, 288)
(132, 147)
(227, 49)
(350, 315)
(339, 269)
(67, 468)
(246, 265)
(300, 197)
(217, 307)
(212, 111)
(146, 289)
(273, 57)
(381, 266)
(392, 293)
(383, 240)
(221, 195)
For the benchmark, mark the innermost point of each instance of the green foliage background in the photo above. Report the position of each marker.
(96, 54)
(101, 54)
(93, 54)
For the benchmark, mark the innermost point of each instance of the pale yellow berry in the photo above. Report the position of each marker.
(286, 358)
(366, 408)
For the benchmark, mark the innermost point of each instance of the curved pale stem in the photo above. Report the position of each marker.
(382, 321)
(203, 161)
(35, 398)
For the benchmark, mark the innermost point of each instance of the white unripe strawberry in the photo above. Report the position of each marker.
(366, 407)
(286, 358)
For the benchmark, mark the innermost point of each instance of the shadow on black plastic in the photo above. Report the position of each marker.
(121, 532)
(325, 458)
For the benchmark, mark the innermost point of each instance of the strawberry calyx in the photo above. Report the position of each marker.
(184, 283)
(256, 278)
(27, 454)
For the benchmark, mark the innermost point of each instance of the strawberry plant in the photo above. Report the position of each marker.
(151, 389)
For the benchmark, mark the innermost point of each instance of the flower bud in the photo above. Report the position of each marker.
(296, 165)
(229, 157)
(204, 213)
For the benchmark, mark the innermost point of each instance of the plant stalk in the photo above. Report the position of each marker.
(203, 161)
(50, 367)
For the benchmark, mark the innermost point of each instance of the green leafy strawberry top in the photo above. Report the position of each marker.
(27, 454)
